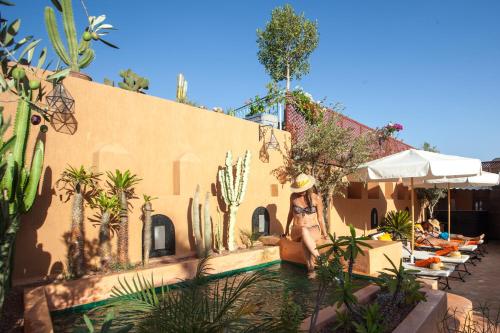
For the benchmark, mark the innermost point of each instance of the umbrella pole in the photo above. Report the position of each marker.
(449, 212)
(412, 218)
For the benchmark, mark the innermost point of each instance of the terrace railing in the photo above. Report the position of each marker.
(277, 108)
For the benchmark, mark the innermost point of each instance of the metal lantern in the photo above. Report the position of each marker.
(60, 100)
(273, 142)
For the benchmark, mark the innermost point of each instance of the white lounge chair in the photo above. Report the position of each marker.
(442, 274)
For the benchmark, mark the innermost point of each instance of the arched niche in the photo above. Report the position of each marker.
(261, 221)
(162, 236)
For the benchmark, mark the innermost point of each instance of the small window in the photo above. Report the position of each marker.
(407, 209)
(374, 219)
(261, 221)
(162, 236)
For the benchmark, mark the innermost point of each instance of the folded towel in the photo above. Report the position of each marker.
(446, 250)
(471, 242)
(427, 262)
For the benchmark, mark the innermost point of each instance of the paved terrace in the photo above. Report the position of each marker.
(483, 286)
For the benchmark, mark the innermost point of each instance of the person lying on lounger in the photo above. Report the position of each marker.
(306, 212)
(427, 235)
(437, 230)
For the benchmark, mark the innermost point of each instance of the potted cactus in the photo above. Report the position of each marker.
(78, 54)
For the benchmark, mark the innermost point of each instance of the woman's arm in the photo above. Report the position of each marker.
(321, 218)
(289, 218)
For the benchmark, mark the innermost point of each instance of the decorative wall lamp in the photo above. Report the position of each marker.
(60, 100)
(273, 141)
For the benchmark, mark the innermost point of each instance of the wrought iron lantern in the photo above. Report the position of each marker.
(273, 142)
(60, 100)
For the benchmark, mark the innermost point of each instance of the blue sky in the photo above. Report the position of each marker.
(433, 66)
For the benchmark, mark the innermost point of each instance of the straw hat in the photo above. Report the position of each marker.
(435, 224)
(302, 183)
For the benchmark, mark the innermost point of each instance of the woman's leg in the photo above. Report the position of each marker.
(309, 244)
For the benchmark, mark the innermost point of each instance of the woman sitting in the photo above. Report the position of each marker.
(306, 212)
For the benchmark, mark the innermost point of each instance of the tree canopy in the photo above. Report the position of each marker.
(286, 44)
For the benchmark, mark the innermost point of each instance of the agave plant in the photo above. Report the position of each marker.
(109, 207)
(122, 185)
(197, 306)
(78, 183)
(398, 224)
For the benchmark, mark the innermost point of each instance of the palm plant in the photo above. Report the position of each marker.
(109, 207)
(146, 234)
(78, 183)
(122, 185)
(197, 306)
(106, 326)
(398, 224)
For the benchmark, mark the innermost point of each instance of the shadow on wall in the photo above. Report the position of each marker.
(276, 227)
(37, 262)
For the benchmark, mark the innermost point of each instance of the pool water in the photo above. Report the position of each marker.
(268, 295)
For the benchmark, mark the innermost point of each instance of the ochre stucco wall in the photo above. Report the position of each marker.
(172, 147)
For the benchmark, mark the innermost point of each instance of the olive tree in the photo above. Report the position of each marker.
(429, 197)
(286, 44)
(329, 153)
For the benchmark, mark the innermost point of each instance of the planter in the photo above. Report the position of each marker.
(426, 317)
(80, 75)
(264, 119)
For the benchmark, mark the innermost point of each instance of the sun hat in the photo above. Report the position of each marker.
(302, 183)
(435, 223)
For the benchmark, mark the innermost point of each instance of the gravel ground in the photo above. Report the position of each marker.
(12, 314)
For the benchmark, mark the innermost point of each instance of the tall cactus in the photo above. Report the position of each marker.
(78, 55)
(196, 223)
(207, 226)
(19, 185)
(182, 86)
(233, 190)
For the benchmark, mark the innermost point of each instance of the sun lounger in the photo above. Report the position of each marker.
(458, 261)
(441, 275)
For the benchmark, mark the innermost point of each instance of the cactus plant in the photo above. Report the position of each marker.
(182, 85)
(195, 220)
(207, 227)
(133, 82)
(79, 54)
(217, 227)
(146, 234)
(109, 206)
(78, 183)
(122, 185)
(233, 190)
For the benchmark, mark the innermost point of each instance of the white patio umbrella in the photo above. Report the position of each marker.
(414, 164)
(483, 180)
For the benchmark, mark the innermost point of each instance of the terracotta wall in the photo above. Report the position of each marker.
(172, 147)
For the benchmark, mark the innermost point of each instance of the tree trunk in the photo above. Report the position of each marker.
(146, 233)
(76, 246)
(104, 241)
(7, 243)
(287, 77)
(326, 207)
(231, 244)
(123, 230)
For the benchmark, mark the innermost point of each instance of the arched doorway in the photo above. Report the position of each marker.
(374, 219)
(261, 221)
(162, 236)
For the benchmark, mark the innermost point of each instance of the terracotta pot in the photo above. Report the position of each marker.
(80, 75)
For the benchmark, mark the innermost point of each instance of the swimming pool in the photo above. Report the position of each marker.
(269, 295)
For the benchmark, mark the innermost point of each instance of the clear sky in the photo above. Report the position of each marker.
(433, 66)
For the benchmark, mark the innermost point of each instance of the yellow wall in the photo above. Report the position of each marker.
(172, 147)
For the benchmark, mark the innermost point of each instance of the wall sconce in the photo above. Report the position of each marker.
(60, 100)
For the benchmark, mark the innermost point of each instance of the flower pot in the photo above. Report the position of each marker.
(80, 75)
(264, 119)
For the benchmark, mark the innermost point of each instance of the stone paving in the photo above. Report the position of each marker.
(483, 286)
